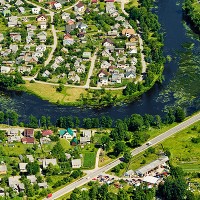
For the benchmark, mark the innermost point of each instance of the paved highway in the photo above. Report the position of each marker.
(95, 173)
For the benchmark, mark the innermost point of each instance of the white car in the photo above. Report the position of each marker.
(148, 143)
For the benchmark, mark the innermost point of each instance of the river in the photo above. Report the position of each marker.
(170, 17)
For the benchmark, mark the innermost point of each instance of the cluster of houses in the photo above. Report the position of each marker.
(116, 68)
(26, 50)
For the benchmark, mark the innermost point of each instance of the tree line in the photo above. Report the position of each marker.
(136, 122)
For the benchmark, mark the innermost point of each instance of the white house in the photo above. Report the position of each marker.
(67, 134)
(46, 162)
(76, 163)
(5, 70)
(57, 6)
(22, 167)
(79, 7)
(36, 10)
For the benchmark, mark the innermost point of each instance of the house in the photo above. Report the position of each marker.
(129, 173)
(43, 25)
(46, 162)
(19, 3)
(74, 141)
(46, 133)
(76, 163)
(113, 33)
(81, 25)
(106, 53)
(130, 74)
(2, 192)
(45, 140)
(130, 45)
(28, 140)
(67, 134)
(41, 48)
(2, 2)
(120, 18)
(15, 184)
(68, 40)
(107, 42)
(30, 158)
(87, 133)
(79, 7)
(16, 37)
(128, 32)
(22, 167)
(13, 48)
(36, 10)
(116, 78)
(104, 80)
(42, 36)
(28, 132)
(59, 59)
(14, 139)
(5, 70)
(1, 37)
(32, 179)
(41, 18)
(105, 64)
(12, 132)
(80, 69)
(65, 16)
(46, 74)
(57, 6)
(103, 73)
(6, 12)
(85, 140)
(76, 78)
(94, 1)
(21, 10)
(86, 55)
(156, 164)
(68, 156)
(133, 50)
(43, 185)
(134, 38)
(3, 169)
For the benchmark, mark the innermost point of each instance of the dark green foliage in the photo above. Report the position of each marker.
(58, 152)
(33, 168)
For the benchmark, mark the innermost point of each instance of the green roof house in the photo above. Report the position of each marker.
(74, 141)
(67, 134)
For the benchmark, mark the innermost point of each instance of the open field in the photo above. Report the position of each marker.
(48, 92)
(89, 159)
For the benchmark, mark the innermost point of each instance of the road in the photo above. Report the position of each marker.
(93, 59)
(96, 172)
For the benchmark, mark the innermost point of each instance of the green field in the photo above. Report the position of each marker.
(89, 159)
(184, 152)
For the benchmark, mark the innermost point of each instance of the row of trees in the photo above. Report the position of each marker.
(136, 122)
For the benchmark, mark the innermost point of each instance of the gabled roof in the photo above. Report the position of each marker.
(47, 132)
(62, 132)
(70, 131)
(108, 40)
(80, 4)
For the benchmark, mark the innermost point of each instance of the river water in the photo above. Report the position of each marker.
(170, 17)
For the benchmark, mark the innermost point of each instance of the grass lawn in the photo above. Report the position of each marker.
(132, 3)
(18, 149)
(65, 143)
(68, 95)
(89, 159)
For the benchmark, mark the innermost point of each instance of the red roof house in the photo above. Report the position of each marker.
(28, 132)
(28, 140)
(47, 132)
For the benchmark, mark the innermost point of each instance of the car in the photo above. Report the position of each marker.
(49, 195)
(148, 143)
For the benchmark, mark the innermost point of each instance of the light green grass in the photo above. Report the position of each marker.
(89, 159)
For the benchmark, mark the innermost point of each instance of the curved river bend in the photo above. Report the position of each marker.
(170, 17)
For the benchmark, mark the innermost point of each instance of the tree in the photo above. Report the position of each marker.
(105, 140)
(1, 117)
(119, 148)
(158, 121)
(127, 156)
(58, 152)
(33, 168)
(135, 122)
(38, 135)
(180, 114)
(60, 88)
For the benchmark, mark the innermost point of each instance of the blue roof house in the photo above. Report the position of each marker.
(67, 134)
